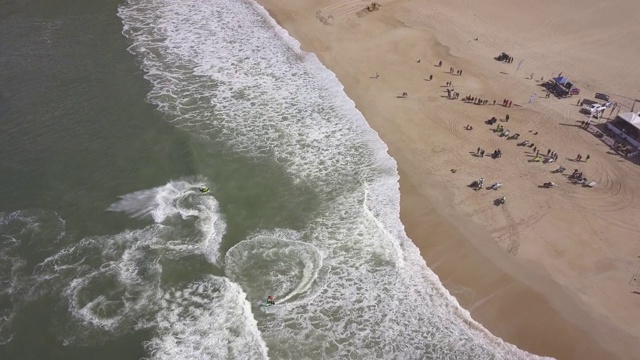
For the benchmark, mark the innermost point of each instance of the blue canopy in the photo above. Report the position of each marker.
(561, 80)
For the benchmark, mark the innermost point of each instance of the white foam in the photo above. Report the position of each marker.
(179, 199)
(111, 284)
(266, 265)
(224, 70)
(207, 319)
(235, 81)
(23, 234)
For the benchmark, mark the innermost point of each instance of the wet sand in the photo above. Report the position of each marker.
(552, 271)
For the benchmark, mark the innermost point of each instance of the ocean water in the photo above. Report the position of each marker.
(115, 114)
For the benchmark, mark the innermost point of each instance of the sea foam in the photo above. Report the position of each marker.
(357, 287)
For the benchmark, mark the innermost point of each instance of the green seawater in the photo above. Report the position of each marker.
(76, 133)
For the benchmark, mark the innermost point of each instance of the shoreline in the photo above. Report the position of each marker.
(510, 295)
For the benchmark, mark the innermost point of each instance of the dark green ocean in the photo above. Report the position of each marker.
(113, 115)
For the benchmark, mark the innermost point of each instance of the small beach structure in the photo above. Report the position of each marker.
(563, 87)
(627, 126)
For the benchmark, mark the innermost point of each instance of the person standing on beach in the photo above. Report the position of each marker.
(587, 158)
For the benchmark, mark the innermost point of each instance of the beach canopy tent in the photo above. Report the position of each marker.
(627, 125)
(630, 118)
(565, 87)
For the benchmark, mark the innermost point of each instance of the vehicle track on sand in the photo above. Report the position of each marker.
(454, 126)
(511, 234)
(612, 193)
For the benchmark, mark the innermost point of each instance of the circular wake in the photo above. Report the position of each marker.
(109, 285)
(182, 200)
(289, 270)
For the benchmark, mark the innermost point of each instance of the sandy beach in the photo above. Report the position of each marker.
(554, 271)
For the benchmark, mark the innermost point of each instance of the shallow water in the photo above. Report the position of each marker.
(109, 250)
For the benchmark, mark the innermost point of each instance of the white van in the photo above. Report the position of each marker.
(595, 108)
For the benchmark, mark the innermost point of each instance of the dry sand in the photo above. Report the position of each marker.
(554, 271)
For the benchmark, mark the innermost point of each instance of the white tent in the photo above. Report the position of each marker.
(627, 126)
(631, 118)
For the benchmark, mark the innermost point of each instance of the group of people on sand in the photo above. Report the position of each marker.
(585, 124)
(476, 100)
(578, 178)
(496, 153)
(579, 157)
(551, 156)
(452, 94)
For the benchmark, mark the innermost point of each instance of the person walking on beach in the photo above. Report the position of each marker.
(506, 118)
(430, 77)
(377, 75)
